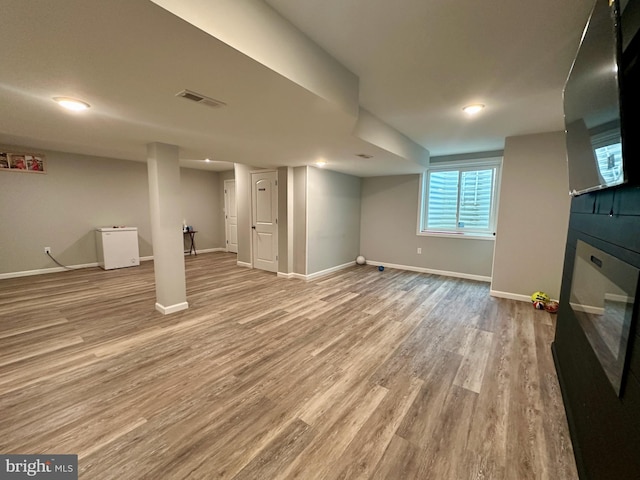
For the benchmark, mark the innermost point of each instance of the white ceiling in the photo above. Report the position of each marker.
(418, 63)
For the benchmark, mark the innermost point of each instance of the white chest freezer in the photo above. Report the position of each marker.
(117, 247)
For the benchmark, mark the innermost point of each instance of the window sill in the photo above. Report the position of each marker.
(466, 236)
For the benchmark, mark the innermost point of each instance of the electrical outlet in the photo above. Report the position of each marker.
(419, 250)
(47, 250)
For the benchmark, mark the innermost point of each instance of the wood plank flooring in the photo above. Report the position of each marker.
(363, 374)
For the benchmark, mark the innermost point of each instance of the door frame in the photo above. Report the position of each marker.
(226, 213)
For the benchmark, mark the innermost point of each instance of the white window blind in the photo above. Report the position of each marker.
(460, 200)
(475, 199)
(443, 200)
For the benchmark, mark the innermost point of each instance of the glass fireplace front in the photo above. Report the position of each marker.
(603, 293)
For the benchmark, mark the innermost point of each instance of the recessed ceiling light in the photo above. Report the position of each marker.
(71, 103)
(321, 163)
(473, 108)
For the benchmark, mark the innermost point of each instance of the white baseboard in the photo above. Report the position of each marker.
(186, 254)
(298, 276)
(613, 297)
(211, 250)
(511, 296)
(244, 264)
(467, 276)
(328, 271)
(172, 308)
(43, 271)
(315, 275)
(593, 310)
(206, 250)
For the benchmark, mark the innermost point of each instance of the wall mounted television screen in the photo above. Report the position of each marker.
(592, 105)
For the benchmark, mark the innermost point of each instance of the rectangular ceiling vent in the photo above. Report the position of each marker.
(363, 155)
(198, 98)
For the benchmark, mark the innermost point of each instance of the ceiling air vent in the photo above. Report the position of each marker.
(198, 98)
(363, 155)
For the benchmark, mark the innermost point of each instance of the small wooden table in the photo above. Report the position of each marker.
(192, 245)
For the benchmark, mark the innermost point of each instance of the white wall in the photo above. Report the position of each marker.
(222, 176)
(62, 208)
(320, 207)
(202, 206)
(243, 203)
(255, 29)
(283, 220)
(533, 217)
(78, 193)
(334, 219)
(375, 131)
(388, 232)
(291, 182)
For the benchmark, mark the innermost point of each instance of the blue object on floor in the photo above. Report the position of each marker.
(381, 268)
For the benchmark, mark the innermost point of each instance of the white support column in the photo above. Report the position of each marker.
(166, 227)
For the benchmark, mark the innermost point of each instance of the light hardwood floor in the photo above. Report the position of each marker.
(363, 374)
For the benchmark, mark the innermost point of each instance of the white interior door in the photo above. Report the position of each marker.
(264, 215)
(231, 215)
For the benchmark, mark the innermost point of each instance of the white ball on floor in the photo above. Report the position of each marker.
(360, 260)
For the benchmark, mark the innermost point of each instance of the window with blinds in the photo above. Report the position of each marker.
(607, 147)
(459, 200)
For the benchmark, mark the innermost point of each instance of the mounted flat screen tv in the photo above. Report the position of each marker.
(592, 105)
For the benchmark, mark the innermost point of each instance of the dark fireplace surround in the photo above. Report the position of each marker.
(604, 419)
(602, 299)
(601, 392)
